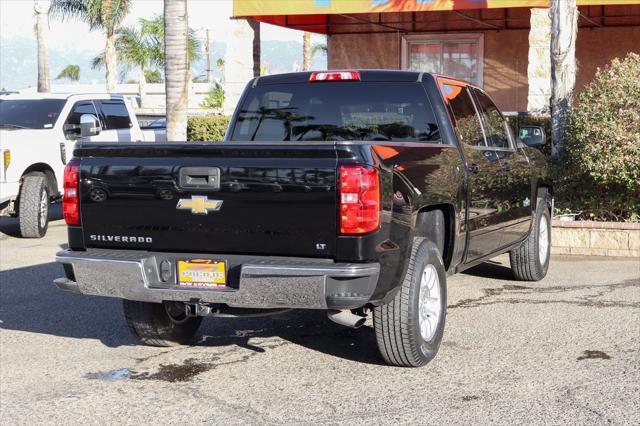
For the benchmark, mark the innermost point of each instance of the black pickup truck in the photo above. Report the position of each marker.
(347, 191)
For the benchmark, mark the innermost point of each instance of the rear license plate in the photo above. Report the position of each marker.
(202, 273)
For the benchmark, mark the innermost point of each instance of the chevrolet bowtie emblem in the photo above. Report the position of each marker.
(199, 204)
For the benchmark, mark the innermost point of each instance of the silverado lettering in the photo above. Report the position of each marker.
(355, 192)
(121, 238)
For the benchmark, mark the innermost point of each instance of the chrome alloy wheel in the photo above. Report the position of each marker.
(429, 302)
(44, 209)
(543, 240)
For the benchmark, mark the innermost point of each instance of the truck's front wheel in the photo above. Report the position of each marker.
(33, 207)
(160, 324)
(409, 329)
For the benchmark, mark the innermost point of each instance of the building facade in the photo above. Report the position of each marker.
(501, 45)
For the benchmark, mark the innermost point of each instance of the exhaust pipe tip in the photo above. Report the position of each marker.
(346, 318)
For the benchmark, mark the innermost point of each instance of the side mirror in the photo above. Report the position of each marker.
(89, 125)
(532, 136)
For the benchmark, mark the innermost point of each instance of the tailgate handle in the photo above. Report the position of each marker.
(205, 178)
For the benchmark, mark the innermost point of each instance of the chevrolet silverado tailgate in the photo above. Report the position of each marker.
(263, 199)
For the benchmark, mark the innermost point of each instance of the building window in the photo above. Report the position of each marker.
(453, 55)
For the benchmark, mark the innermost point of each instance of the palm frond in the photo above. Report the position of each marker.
(317, 48)
(98, 61)
(98, 14)
(71, 72)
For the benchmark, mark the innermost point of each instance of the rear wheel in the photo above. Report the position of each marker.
(33, 208)
(530, 261)
(160, 324)
(410, 328)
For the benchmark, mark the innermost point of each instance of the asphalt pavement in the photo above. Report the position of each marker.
(564, 350)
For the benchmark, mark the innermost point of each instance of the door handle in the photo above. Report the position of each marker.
(201, 178)
(505, 167)
(473, 168)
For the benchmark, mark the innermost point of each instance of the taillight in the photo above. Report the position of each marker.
(359, 199)
(71, 197)
(335, 76)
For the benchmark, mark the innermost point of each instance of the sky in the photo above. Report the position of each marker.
(16, 19)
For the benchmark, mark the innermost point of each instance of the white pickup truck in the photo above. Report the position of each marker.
(37, 134)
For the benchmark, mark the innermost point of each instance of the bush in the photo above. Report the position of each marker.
(214, 98)
(601, 172)
(207, 128)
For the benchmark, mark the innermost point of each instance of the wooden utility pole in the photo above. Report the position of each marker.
(207, 49)
(564, 31)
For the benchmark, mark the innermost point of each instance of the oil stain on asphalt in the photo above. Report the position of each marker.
(593, 355)
(176, 372)
(166, 372)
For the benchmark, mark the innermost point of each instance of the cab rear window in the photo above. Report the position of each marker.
(340, 111)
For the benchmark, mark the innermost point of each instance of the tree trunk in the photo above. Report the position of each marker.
(306, 51)
(207, 49)
(110, 61)
(255, 26)
(564, 31)
(41, 9)
(176, 28)
(142, 88)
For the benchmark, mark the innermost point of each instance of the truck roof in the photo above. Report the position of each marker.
(64, 96)
(365, 75)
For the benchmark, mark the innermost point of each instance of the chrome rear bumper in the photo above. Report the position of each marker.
(254, 282)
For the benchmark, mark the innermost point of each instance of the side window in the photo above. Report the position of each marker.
(495, 124)
(116, 115)
(72, 125)
(466, 118)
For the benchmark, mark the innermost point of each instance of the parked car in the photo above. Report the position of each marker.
(348, 191)
(37, 134)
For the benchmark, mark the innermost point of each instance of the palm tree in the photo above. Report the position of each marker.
(307, 53)
(255, 26)
(143, 48)
(41, 8)
(176, 30)
(106, 15)
(71, 72)
(317, 48)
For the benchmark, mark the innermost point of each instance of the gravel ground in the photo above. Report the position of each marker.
(564, 350)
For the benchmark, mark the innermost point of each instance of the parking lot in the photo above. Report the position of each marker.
(564, 350)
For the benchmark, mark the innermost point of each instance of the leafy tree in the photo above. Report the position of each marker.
(153, 76)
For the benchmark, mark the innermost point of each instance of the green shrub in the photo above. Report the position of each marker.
(600, 175)
(207, 128)
(214, 98)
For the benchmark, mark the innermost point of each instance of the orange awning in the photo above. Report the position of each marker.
(312, 15)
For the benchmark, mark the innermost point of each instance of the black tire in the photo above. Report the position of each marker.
(33, 207)
(397, 324)
(153, 324)
(526, 262)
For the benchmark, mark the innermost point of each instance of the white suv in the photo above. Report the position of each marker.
(37, 134)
